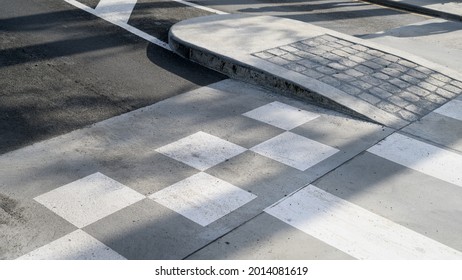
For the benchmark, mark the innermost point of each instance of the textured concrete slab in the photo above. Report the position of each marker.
(328, 68)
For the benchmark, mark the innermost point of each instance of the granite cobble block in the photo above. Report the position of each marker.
(361, 84)
(264, 55)
(359, 47)
(416, 110)
(295, 67)
(410, 79)
(277, 51)
(383, 94)
(350, 89)
(357, 59)
(400, 83)
(408, 96)
(279, 61)
(289, 49)
(436, 99)
(445, 93)
(350, 50)
(453, 89)
(371, 80)
(457, 84)
(312, 73)
(441, 77)
(391, 72)
(348, 63)
(390, 88)
(382, 62)
(364, 69)
(341, 53)
(374, 52)
(326, 70)
(354, 73)
(418, 91)
(331, 81)
(427, 86)
(387, 106)
(372, 65)
(409, 116)
(425, 70)
(398, 67)
(416, 74)
(407, 63)
(343, 77)
(390, 57)
(337, 66)
(398, 101)
(308, 63)
(369, 98)
(381, 76)
(365, 55)
(291, 57)
(425, 104)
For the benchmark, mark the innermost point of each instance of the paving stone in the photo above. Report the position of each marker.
(425, 104)
(364, 69)
(436, 99)
(407, 63)
(427, 86)
(326, 70)
(354, 73)
(308, 63)
(264, 55)
(445, 93)
(312, 74)
(300, 46)
(369, 98)
(357, 59)
(375, 52)
(341, 53)
(387, 106)
(278, 60)
(410, 79)
(456, 83)
(349, 50)
(400, 83)
(418, 91)
(291, 57)
(331, 56)
(398, 67)
(408, 96)
(409, 116)
(365, 55)
(327, 48)
(417, 110)
(390, 88)
(337, 66)
(398, 101)
(359, 47)
(348, 62)
(371, 80)
(381, 76)
(373, 65)
(316, 51)
(343, 77)
(441, 77)
(277, 51)
(295, 67)
(335, 45)
(434, 81)
(416, 74)
(382, 62)
(391, 72)
(453, 89)
(425, 70)
(390, 57)
(289, 49)
(310, 42)
(344, 43)
(380, 92)
(350, 89)
(331, 81)
(361, 84)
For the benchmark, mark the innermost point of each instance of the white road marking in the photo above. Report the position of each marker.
(281, 115)
(118, 13)
(77, 245)
(294, 150)
(197, 6)
(203, 198)
(354, 230)
(89, 199)
(452, 109)
(422, 157)
(115, 10)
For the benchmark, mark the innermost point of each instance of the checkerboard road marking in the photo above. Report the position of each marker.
(202, 198)
(295, 150)
(201, 150)
(76, 245)
(89, 199)
(281, 115)
(422, 157)
(354, 230)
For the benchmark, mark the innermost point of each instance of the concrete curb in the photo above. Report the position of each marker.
(417, 9)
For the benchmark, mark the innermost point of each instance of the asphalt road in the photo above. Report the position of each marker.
(62, 68)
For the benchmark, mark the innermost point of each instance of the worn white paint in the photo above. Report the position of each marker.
(200, 7)
(202, 198)
(77, 245)
(295, 150)
(115, 10)
(89, 199)
(422, 157)
(452, 109)
(354, 230)
(201, 150)
(281, 115)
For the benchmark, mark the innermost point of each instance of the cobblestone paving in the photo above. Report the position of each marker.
(393, 84)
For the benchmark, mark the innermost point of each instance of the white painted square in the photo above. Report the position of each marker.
(201, 150)
(295, 150)
(281, 115)
(355, 230)
(202, 198)
(89, 199)
(77, 245)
